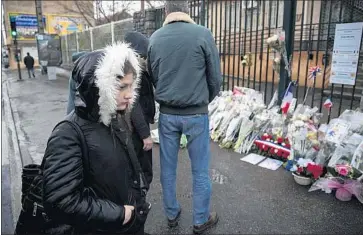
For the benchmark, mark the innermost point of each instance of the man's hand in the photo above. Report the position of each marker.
(128, 214)
(148, 143)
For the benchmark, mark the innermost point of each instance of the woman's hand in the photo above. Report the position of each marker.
(128, 214)
(148, 143)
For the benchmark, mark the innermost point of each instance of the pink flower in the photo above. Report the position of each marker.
(342, 169)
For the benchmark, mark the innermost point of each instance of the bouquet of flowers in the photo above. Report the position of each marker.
(308, 168)
(345, 189)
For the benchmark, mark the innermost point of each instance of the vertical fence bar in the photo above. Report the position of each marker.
(309, 46)
(198, 10)
(326, 54)
(211, 18)
(202, 12)
(353, 92)
(239, 42)
(256, 46)
(288, 26)
(276, 26)
(220, 35)
(234, 42)
(215, 20)
(268, 52)
(300, 48)
(250, 46)
(224, 44)
(261, 45)
(318, 50)
(244, 42)
(229, 43)
(205, 9)
(342, 87)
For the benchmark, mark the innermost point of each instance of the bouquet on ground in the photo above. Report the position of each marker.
(308, 168)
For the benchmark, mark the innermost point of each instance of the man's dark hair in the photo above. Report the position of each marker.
(176, 6)
(28, 53)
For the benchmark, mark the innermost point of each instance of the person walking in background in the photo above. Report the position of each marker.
(29, 64)
(185, 68)
(145, 107)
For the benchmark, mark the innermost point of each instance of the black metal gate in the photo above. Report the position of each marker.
(241, 28)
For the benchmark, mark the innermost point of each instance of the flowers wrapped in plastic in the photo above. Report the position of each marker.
(345, 189)
(277, 41)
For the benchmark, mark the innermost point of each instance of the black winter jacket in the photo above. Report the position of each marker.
(140, 43)
(92, 201)
(29, 62)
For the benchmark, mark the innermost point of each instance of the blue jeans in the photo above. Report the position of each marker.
(196, 129)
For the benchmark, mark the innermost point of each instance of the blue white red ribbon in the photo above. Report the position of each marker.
(313, 72)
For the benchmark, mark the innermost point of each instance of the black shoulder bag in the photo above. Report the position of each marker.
(32, 218)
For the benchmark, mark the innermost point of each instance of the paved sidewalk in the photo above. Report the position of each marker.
(249, 199)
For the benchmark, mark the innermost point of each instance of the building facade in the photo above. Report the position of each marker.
(59, 17)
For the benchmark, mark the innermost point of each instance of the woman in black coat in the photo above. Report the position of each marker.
(109, 195)
(145, 106)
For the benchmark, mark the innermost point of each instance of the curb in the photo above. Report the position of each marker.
(15, 156)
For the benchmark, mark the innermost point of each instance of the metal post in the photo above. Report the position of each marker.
(112, 32)
(67, 49)
(91, 34)
(289, 28)
(202, 15)
(39, 12)
(17, 56)
(77, 43)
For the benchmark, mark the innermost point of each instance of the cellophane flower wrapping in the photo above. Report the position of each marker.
(345, 189)
(355, 119)
(357, 161)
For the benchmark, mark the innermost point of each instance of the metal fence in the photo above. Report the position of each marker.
(241, 28)
(94, 38)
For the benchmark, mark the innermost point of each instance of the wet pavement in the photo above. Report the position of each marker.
(248, 198)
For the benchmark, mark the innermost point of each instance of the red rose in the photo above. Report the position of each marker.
(263, 137)
(280, 140)
(300, 169)
(288, 146)
(315, 170)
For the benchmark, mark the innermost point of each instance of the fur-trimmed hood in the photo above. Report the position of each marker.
(95, 75)
(178, 17)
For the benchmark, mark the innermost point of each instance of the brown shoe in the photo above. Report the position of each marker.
(213, 220)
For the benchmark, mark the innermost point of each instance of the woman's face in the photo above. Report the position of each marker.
(125, 92)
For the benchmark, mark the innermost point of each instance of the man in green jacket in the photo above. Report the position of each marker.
(185, 67)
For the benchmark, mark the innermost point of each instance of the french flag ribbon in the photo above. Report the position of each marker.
(313, 72)
(286, 101)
